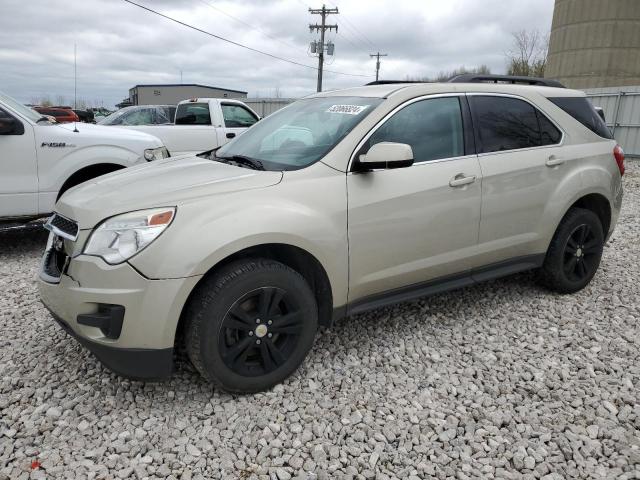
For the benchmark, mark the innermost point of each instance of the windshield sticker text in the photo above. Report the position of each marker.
(348, 109)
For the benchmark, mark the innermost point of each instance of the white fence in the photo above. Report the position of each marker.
(266, 106)
(621, 107)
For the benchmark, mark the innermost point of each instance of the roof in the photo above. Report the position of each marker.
(188, 85)
(386, 90)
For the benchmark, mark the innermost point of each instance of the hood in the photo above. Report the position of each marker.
(101, 134)
(164, 183)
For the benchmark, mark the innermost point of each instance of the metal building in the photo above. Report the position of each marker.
(171, 94)
(622, 111)
(595, 43)
(266, 106)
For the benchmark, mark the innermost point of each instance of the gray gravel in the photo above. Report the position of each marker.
(502, 380)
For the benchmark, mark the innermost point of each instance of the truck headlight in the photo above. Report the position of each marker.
(119, 238)
(159, 153)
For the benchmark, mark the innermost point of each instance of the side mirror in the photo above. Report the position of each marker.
(8, 126)
(386, 155)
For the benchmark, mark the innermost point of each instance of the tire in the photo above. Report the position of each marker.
(574, 254)
(251, 325)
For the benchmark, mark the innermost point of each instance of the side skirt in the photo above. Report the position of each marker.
(440, 285)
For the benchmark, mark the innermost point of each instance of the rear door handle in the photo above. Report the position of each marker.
(231, 135)
(460, 180)
(554, 161)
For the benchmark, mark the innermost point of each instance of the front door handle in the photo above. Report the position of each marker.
(460, 180)
(554, 161)
(231, 135)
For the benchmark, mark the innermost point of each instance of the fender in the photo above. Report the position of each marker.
(214, 234)
(53, 172)
(581, 182)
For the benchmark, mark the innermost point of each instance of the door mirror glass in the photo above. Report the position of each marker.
(386, 155)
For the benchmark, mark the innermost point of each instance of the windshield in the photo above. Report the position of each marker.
(301, 133)
(20, 108)
(115, 117)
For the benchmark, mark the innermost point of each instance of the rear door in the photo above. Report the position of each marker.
(411, 225)
(519, 149)
(18, 169)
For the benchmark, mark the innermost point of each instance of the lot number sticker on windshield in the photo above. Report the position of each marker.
(348, 109)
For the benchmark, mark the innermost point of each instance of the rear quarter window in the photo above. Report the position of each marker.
(581, 109)
(193, 114)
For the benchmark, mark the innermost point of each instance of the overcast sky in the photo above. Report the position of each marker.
(120, 45)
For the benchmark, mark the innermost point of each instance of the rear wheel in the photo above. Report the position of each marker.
(575, 252)
(251, 325)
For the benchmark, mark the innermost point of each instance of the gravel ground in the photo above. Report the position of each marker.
(501, 380)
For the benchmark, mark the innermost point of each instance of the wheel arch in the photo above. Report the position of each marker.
(296, 258)
(87, 173)
(599, 205)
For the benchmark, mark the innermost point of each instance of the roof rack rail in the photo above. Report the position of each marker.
(487, 78)
(390, 82)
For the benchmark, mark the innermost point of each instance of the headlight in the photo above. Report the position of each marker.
(159, 153)
(119, 238)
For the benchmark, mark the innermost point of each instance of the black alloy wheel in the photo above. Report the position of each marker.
(582, 253)
(250, 324)
(260, 331)
(574, 253)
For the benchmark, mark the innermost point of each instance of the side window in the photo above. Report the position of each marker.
(549, 134)
(432, 127)
(236, 116)
(161, 115)
(504, 123)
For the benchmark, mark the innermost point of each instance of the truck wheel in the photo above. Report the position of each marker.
(251, 325)
(574, 253)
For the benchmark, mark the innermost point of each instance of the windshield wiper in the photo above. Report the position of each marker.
(242, 160)
(43, 118)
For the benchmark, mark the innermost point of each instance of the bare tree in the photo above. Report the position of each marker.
(61, 100)
(528, 53)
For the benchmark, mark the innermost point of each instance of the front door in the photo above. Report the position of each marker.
(236, 120)
(18, 169)
(412, 225)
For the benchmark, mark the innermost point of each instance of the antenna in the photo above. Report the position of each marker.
(75, 85)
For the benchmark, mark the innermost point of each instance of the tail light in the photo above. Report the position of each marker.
(618, 153)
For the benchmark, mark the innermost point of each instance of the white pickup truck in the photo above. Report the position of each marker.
(202, 124)
(40, 160)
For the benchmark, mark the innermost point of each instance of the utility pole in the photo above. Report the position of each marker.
(324, 11)
(75, 76)
(377, 55)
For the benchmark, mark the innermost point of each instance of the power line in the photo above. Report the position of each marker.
(293, 62)
(350, 26)
(253, 27)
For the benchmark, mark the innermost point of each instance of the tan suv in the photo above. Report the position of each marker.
(341, 202)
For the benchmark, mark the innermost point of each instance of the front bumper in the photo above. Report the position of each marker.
(138, 341)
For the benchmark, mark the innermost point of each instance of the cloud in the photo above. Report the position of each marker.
(120, 45)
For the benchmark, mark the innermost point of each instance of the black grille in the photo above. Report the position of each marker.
(64, 225)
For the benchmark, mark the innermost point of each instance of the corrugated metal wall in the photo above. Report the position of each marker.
(266, 106)
(621, 107)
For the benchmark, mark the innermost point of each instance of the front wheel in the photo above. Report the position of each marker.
(574, 253)
(251, 325)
